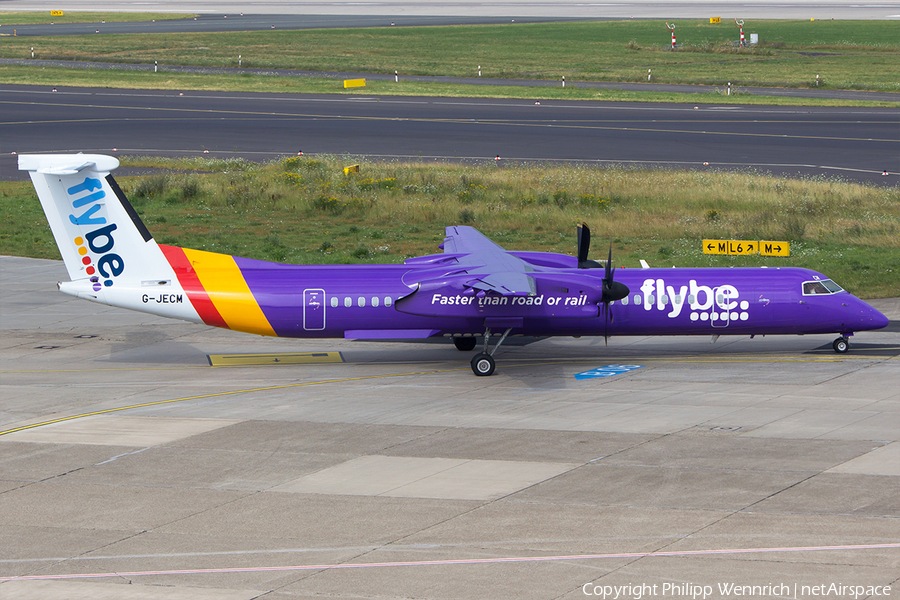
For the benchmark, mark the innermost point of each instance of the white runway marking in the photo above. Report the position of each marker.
(465, 561)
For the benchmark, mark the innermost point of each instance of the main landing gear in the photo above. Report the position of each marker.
(841, 345)
(483, 363)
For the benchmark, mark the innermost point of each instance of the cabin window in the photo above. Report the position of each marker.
(625, 301)
(348, 301)
(361, 301)
(824, 286)
(334, 302)
(375, 301)
(637, 299)
(388, 301)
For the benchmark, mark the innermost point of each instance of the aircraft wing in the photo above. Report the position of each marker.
(466, 240)
(492, 269)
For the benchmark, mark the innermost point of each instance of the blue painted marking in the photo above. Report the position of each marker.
(87, 219)
(87, 185)
(95, 197)
(607, 371)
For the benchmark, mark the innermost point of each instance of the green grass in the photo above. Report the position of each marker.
(44, 17)
(845, 54)
(53, 77)
(305, 210)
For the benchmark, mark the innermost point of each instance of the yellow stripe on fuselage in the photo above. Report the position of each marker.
(227, 289)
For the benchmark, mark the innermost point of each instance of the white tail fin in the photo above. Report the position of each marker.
(99, 234)
(109, 253)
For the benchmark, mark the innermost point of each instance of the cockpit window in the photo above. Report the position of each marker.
(824, 286)
(832, 286)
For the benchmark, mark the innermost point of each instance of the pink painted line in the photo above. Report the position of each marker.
(464, 561)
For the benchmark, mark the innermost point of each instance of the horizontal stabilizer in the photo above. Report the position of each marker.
(66, 164)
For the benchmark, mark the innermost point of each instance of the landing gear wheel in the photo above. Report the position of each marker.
(464, 344)
(483, 364)
(841, 345)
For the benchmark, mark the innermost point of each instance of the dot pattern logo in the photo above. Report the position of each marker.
(87, 261)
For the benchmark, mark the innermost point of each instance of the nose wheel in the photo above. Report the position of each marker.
(841, 345)
(483, 363)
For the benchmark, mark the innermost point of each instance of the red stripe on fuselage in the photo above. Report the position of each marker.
(189, 280)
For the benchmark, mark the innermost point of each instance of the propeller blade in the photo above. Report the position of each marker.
(606, 320)
(609, 269)
(584, 246)
(584, 242)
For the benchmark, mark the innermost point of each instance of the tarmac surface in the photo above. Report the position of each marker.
(621, 9)
(131, 469)
(205, 23)
(856, 144)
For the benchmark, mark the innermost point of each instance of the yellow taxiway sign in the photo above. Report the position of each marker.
(743, 247)
(774, 248)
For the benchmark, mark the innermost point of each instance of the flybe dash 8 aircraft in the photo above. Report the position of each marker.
(472, 289)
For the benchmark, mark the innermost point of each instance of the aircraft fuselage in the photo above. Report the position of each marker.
(383, 301)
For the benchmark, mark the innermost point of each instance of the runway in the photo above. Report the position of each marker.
(132, 469)
(638, 9)
(259, 22)
(852, 143)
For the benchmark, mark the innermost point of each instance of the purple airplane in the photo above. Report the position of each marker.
(473, 289)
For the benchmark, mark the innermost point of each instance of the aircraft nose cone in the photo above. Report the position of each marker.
(870, 318)
(879, 319)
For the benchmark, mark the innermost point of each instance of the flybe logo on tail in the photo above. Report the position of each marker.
(87, 199)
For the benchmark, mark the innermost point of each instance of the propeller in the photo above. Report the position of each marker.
(612, 290)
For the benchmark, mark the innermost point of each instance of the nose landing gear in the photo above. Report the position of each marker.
(841, 345)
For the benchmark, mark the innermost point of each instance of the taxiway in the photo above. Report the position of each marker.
(131, 469)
